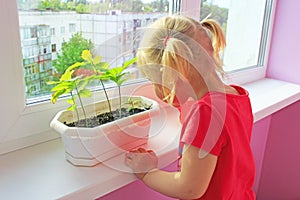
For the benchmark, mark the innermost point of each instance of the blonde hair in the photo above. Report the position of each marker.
(218, 40)
(170, 46)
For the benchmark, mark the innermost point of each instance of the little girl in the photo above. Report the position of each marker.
(181, 57)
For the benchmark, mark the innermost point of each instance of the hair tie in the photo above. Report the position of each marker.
(166, 40)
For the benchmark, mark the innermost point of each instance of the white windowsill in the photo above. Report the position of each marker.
(41, 171)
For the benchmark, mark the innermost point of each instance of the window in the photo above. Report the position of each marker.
(72, 28)
(62, 29)
(52, 31)
(53, 47)
(248, 35)
(107, 29)
(242, 22)
(28, 39)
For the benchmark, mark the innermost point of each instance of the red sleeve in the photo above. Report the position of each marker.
(203, 129)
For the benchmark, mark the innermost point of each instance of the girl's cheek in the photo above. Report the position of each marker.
(158, 91)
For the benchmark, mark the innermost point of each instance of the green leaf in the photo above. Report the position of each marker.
(117, 70)
(69, 71)
(62, 86)
(96, 60)
(56, 95)
(72, 107)
(86, 55)
(66, 76)
(101, 67)
(129, 62)
(85, 93)
(70, 101)
(120, 82)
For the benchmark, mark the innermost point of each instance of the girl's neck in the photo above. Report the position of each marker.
(211, 82)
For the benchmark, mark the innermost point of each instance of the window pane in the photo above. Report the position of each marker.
(242, 22)
(110, 27)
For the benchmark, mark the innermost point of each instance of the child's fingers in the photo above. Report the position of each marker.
(152, 153)
(141, 150)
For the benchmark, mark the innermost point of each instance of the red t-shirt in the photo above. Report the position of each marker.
(221, 124)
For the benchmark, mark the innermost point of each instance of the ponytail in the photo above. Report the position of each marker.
(217, 38)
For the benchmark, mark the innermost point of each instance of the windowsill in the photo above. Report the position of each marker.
(41, 171)
(269, 95)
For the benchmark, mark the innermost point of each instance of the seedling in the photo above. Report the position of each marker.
(99, 69)
(90, 69)
(73, 86)
(117, 75)
(137, 103)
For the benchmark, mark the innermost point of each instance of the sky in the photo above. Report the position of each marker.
(221, 3)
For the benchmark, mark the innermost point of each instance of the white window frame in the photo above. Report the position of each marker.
(190, 8)
(24, 125)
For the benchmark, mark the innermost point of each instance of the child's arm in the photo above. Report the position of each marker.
(190, 183)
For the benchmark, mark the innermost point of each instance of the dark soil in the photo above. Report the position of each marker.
(104, 118)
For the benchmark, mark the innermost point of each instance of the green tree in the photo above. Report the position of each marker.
(71, 52)
(214, 12)
(50, 4)
(80, 8)
(44, 5)
(55, 5)
(159, 5)
(71, 6)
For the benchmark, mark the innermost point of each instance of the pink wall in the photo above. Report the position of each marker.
(280, 171)
(258, 143)
(284, 56)
(138, 191)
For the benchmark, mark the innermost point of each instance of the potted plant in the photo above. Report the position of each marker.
(95, 132)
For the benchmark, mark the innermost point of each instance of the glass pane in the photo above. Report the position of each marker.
(109, 28)
(242, 22)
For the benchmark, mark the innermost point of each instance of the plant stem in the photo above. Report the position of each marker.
(83, 110)
(73, 98)
(107, 99)
(120, 102)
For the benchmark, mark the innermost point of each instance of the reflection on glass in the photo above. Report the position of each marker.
(242, 22)
(109, 28)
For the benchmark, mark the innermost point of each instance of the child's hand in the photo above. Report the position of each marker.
(141, 161)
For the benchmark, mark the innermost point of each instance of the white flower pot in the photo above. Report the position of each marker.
(90, 146)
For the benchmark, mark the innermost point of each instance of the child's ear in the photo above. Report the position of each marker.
(184, 69)
(158, 91)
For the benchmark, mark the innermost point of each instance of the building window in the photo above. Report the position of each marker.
(53, 47)
(62, 30)
(52, 31)
(72, 28)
